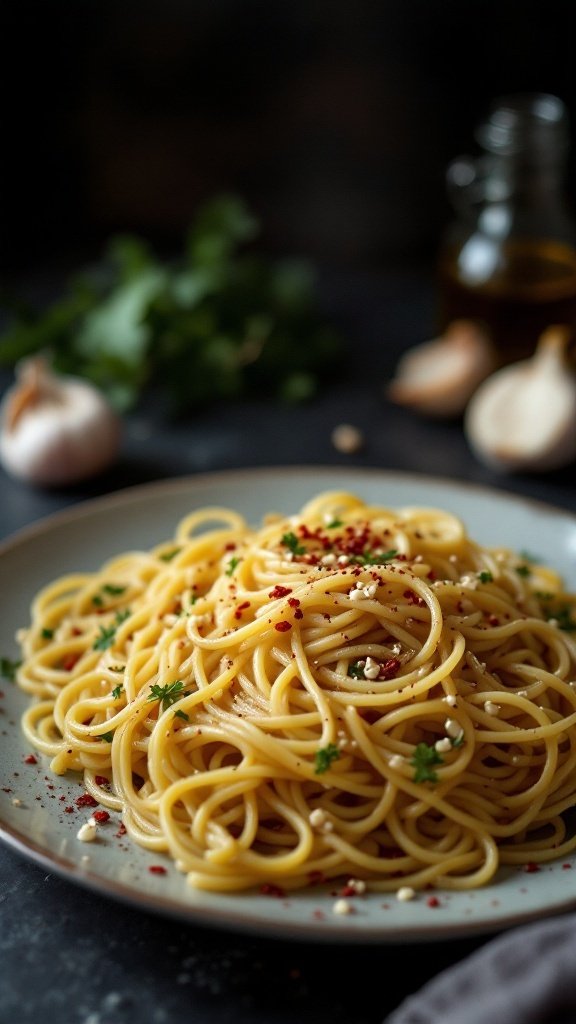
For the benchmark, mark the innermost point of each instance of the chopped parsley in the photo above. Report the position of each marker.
(117, 691)
(424, 759)
(182, 714)
(107, 737)
(168, 694)
(374, 557)
(47, 634)
(97, 600)
(167, 556)
(334, 524)
(107, 634)
(485, 576)
(8, 668)
(290, 541)
(523, 570)
(232, 565)
(324, 757)
(113, 589)
(356, 670)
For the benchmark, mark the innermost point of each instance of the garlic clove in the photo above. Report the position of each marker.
(55, 429)
(438, 377)
(523, 417)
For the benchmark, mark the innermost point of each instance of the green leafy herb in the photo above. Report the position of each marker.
(47, 634)
(107, 634)
(97, 600)
(8, 668)
(523, 570)
(374, 557)
(117, 691)
(485, 576)
(167, 556)
(232, 565)
(182, 714)
(221, 320)
(167, 694)
(113, 589)
(335, 524)
(107, 737)
(424, 759)
(356, 670)
(324, 757)
(290, 541)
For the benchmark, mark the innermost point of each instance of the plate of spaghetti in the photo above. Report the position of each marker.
(310, 702)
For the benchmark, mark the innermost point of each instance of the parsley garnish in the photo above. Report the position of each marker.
(335, 524)
(523, 570)
(290, 541)
(324, 757)
(374, 557)
(182, 714)
(232, 565)
(47, 634)
(107, 737)
(423, 759)
(485, 576)
(169, 555)
(356, 670)
(8, 668)
(113, 589)
(97, 600)
(116, 692)
(107, 634)
(167, 694)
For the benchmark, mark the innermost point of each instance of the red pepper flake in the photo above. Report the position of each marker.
(101, 780)
(389, 668)
(157, 869)
(68, 810)
(230, 547)
(86, 800)
(279, 591)
(30, 759)
(283, 626)
(240, 609)
(318, 915)
(298, 614)
(347, 890)
(531, 868)
(121, 831)
(432, 901)
(70, 661)
(101, 817)
(270, 889)
(566, 867)
(316, 878)
(493, 620)
(293, 602)
(413, 598)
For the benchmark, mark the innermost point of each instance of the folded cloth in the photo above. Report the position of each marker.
(524, 976)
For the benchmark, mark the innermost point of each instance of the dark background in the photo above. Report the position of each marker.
(335, 120)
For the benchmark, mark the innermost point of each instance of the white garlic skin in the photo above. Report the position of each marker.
(523, 417)
(437, 377)
(56, 430)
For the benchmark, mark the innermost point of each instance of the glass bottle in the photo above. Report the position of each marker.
(509, 258)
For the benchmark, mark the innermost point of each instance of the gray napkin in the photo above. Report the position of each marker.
(525, 976)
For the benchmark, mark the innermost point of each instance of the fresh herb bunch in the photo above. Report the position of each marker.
(220, 322)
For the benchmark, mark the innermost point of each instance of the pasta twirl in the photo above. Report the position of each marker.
(350, 691)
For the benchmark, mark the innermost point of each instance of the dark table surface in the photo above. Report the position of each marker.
(76, 957)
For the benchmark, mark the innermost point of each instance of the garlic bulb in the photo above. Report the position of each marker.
(55, 429)
(438, 377)
(523, 417)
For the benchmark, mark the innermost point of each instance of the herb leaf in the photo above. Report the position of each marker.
(324, 757)
(8, 668)
(167, 694)
(290, 541)
(423, 759)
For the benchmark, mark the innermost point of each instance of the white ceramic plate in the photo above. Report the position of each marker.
(41, 828)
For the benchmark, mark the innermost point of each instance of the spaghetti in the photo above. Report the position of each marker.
(350, 691)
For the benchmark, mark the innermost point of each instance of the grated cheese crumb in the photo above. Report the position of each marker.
(405, 893)
(342, 907)
(87, 832)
